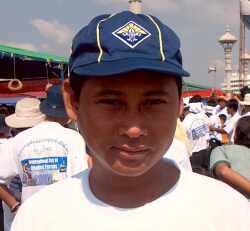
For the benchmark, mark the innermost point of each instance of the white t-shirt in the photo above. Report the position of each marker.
(223, 111)
(214, 121)
(197, 129)
(195, 203)
(246, 114)
(179, 154)
(14, 186)
(43, 155)
(231, 124)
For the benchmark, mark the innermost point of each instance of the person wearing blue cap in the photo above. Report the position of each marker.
(124, 91)
(44, 152)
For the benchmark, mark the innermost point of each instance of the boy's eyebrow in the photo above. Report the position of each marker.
(118, 93)
(108, 93)
(156, 93)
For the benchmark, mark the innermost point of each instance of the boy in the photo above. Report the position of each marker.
(124, 91)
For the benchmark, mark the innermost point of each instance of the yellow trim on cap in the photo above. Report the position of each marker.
(160, 38)
(98, 37)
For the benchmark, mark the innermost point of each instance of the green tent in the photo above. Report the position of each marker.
(28, 55)
(25, 64)
(34, 55)
(188, 86)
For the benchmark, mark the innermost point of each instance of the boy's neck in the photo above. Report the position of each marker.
(132, 192)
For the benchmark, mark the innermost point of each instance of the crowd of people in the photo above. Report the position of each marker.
(116, 147)
(37, 149)
(217, 128)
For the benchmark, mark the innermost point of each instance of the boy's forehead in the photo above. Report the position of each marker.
(138, 80)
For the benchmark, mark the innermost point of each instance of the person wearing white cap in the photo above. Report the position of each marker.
(196, 125)
(4, 133)
(245, 104)
(27, 114)
(43, 154)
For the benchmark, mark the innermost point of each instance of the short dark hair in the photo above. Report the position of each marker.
(195, 99)
(4, 110)
(233, 103)
(212, 101)
(223, 117)
(76, 83)
(221, 99)
(242, 132)
(243, 91)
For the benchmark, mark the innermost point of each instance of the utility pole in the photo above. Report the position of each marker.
(241, 49)
(135, 6)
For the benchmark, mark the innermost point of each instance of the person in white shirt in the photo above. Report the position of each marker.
(214, 119)
(196, 125)
(179, 154)
(43, 154)
(13, 188)
(232, 109)
(25, 116)
(221, 107)
(4, 134)
(126, 101)
(245, 104)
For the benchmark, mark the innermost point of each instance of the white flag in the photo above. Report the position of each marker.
(211, 69)
(245, 11)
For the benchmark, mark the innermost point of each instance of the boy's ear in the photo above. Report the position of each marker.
(69, 100)
(181, 106)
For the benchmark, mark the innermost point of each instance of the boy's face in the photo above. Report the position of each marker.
(222, 104)
(230, 110)
(222, 121)
(129, 121)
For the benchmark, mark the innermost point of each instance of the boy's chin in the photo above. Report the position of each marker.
(129, 171)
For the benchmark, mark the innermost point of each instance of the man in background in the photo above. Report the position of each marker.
(4, 134)
(232, 110)
(196, 125)
(45, 151)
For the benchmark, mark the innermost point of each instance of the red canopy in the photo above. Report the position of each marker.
(203, 93)
(38, 94)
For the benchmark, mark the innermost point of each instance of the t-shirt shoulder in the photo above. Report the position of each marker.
(55, 129)
(216, 189)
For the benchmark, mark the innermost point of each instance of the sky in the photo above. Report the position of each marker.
(49, 26)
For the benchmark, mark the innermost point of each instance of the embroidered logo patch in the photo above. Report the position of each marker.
(131, 34)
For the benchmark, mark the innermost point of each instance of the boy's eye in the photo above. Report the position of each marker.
(152, 102)
(111, 102)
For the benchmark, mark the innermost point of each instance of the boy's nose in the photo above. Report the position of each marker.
(133, 132)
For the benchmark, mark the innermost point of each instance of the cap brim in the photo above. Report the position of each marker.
(14, 121)
(46, 109)
(122, 66)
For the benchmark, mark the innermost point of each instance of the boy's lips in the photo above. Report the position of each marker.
(130, 153)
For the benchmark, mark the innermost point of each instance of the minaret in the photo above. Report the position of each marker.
(242, 63)
(245, 61)
(135, 6)
(227, 41)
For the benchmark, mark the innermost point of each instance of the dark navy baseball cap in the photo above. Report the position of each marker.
(53, 105)
(124, 42)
